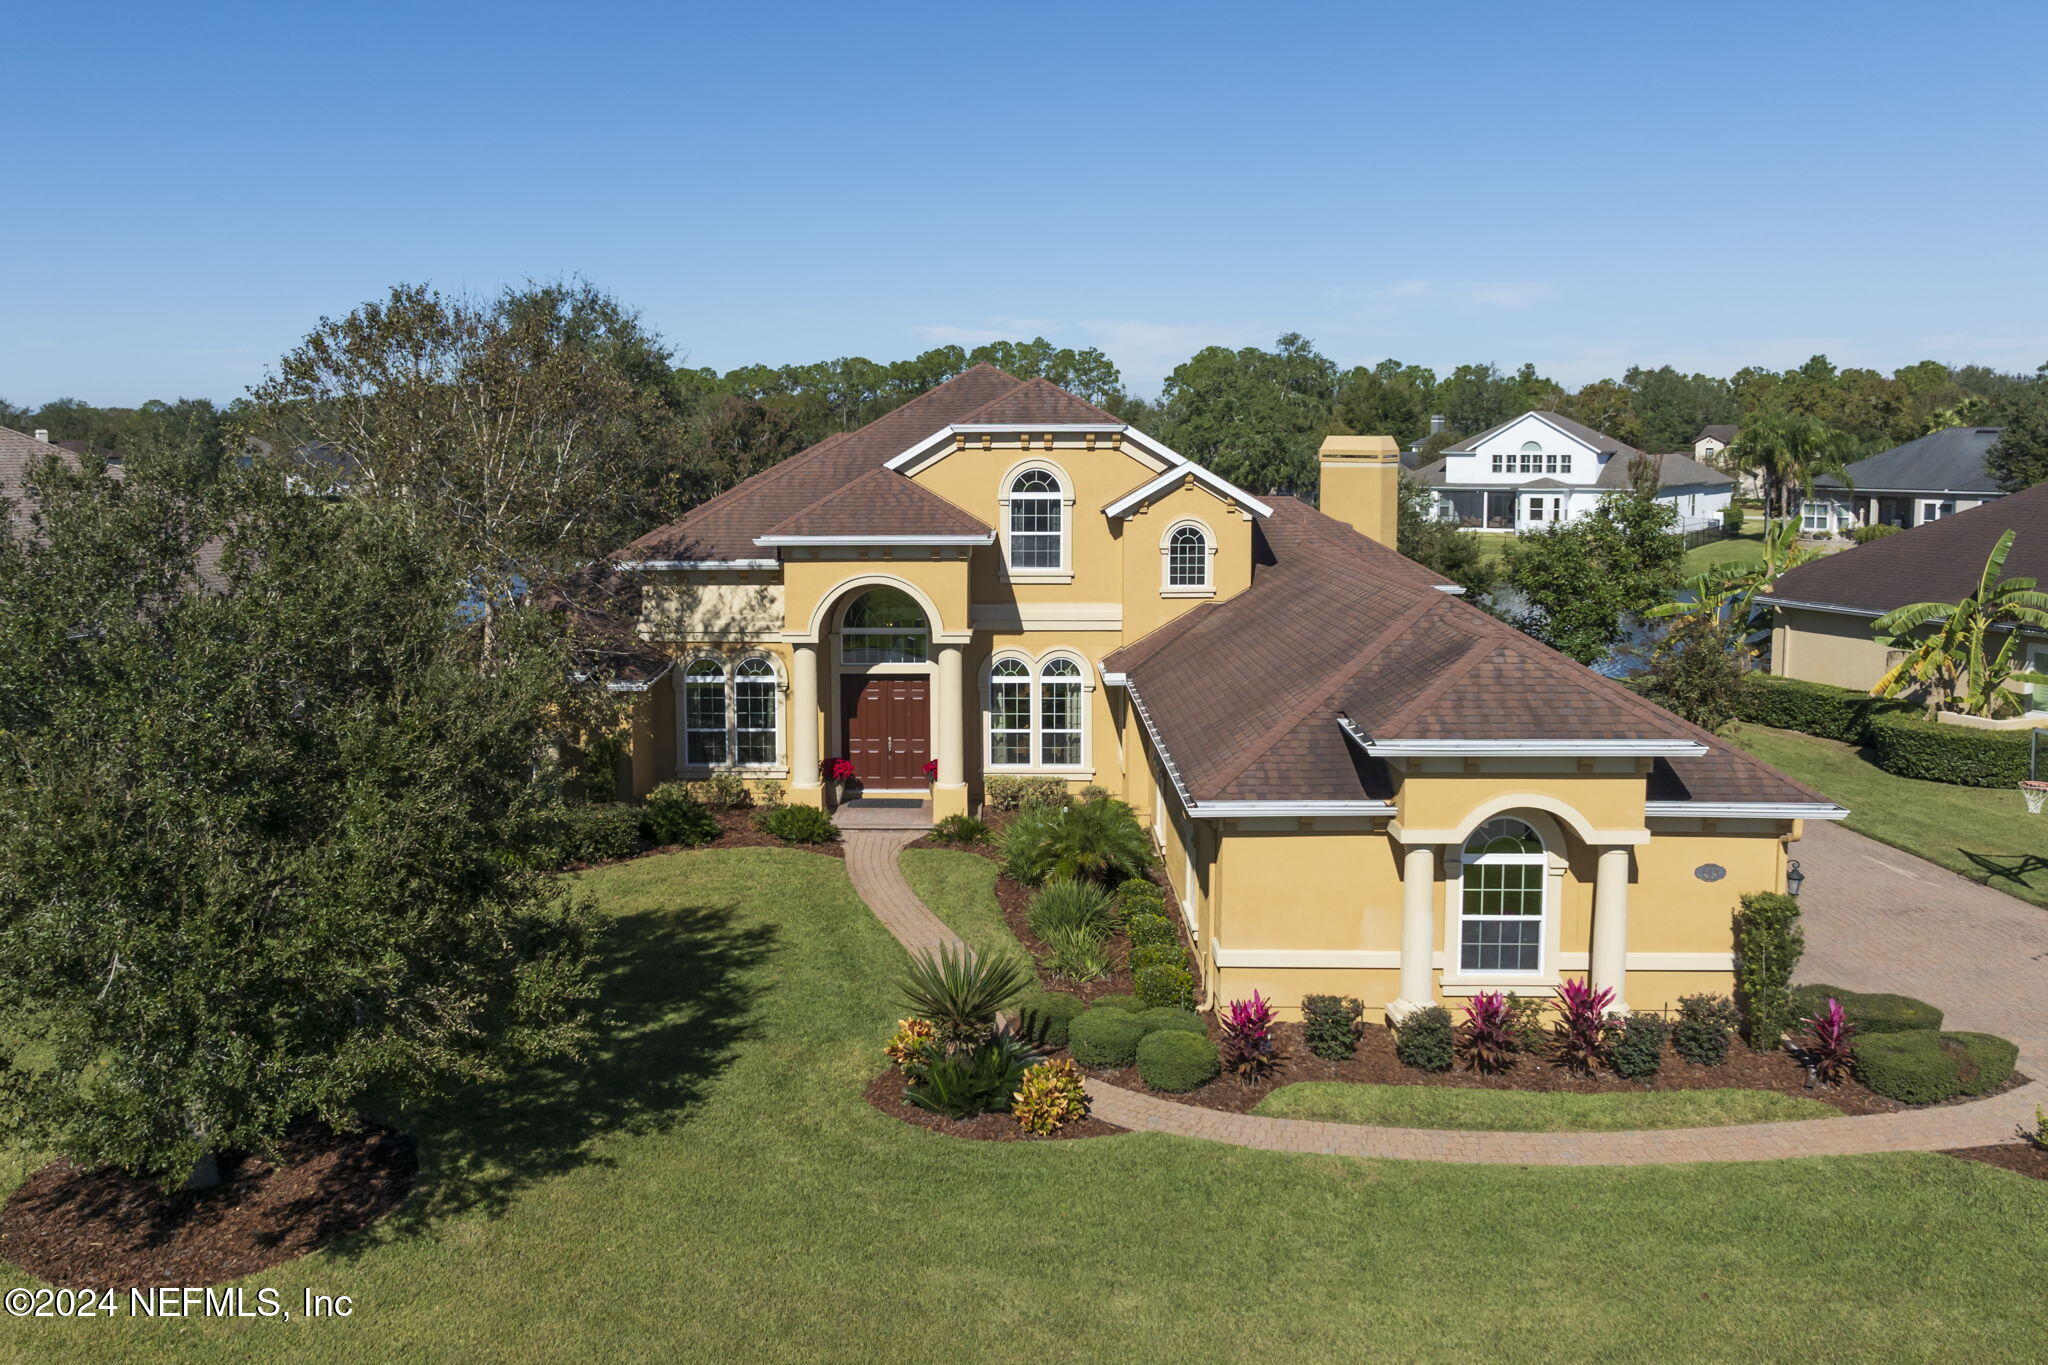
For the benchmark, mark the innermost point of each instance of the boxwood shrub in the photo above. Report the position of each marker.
(673, 815)
(590, 834)
(1165, 984)
(1424, 1039)
(1128, 1003)
(798, 825)
(1636, 1047)
(1923, 1067)
(1046, 1016)
(1105, 1038)
(1870, 1013)
(1176, 1061)
(1149, 929)
(1156, 955)
(1984, 1061)
(1166, 1016)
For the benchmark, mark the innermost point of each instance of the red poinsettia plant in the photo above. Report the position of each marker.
(836, 769)
(931, 769)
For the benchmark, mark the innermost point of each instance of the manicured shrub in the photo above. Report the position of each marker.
(1043, 793)
(1486, 1039)
(1984, 1061)
(1157, 955)
(1151, 929)
(1331, 1024)
(1636, 1046)
(2039, 1136)
(1049, 1096)
(1164, 984)
(1248, 1049)
(798, 825)
(1705, 1023)
(1863, 535)
(1129, 1003)
(768, 795)
(1426, 1040)
(1175, 1061)
(1813, 708)
(1906, 744)
(673, 816)
(963, 1082)
(1828, 1044)
(1066, 903)
(960, 829)
(1166, 1016)
(1768, 944)
(915, 1042)
(722, 791)
(1045, 1016)
(1870, 1013)
(1100, 842)
(1137, 889)
(1002, 792)
(1076, 953)
(1731, 519)
(959, 992)
(1908, 1067)
(592, 834)
(1105, 1037)
(1581, 1025)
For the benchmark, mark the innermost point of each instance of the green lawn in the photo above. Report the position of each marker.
(709, 1185)
(1520, 1111)
(1984, 833)
(1746, 548)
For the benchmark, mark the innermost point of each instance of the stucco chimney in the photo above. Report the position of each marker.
(1361, 485)
(42, 435)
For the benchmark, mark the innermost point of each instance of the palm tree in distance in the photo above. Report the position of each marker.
(1789, 450)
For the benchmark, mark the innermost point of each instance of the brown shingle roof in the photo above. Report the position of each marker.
(1247, 694)
(1936, 562)
(725, 527)
(882, 503)
(1039, 400)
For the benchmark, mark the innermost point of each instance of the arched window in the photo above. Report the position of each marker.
(884, 626)
(1059, 713)
(753, 711)
(1037, 717)
(1500, 912)
(1187, 558)
(1009, 714)
(1037, 521)
(731, 717)
(704, 714)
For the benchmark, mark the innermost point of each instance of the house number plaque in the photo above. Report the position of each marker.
(1710, 872)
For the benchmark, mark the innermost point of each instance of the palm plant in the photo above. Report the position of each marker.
(1948, 646)
(1789, 450)
(960, 993)
(1729, 591)
(1096, 841)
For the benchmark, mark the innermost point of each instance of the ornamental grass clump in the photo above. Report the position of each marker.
(1076, 953)
(1705, 1025)
(1486, 1040)
(1248, 1050)
(1581, 1026)
(1331, 1025)
(1829, 1045)
(960, 829)
(1067, 903)
(1049, 1097)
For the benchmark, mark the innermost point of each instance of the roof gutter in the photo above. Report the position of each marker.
(1238, 810)
(1522, 748)
(642, 565)
(984, 538)
(1753, 810)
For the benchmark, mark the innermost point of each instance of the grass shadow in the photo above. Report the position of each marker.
(676, 1007)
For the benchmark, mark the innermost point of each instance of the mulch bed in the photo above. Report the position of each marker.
(885, 1093)
(1376, 1063)
(104, 1229)
(2022, 1157)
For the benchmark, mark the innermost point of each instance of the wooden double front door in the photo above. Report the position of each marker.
(886, 726)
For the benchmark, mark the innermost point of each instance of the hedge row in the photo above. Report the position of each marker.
(1901, 740)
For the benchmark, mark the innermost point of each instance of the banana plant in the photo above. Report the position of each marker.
(1730, 590)
(1948, 646)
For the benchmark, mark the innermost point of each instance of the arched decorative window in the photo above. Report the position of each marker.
(1187, 558)
(1037, 716)
(731, 717)
(1009, 714)
(1037, 521)
(884, 626)
(704, 714)
(1501, 903)
(1059, 713)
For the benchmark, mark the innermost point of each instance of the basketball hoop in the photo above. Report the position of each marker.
(2036, 794)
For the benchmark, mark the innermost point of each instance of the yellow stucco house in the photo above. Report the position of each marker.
(1357, 782)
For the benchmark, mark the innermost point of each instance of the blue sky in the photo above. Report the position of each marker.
(1584, 186)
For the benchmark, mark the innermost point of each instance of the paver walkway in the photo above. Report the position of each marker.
(871, 860)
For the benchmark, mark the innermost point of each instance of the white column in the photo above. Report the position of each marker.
(1418, 930)
(805, 784)
(1610, 924)
(952, 745)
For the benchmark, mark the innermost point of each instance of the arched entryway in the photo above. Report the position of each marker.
(882, 663)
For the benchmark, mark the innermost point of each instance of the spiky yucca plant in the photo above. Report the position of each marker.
(960, 993)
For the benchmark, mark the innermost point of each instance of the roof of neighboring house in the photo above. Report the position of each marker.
(603, 609)
(1947, 461)
(882, 503)
(1724, 432)
(1247, 694)
(1598, 440)
(1940, 561)
(1675, 469)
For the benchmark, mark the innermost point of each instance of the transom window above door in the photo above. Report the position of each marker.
(884, 626)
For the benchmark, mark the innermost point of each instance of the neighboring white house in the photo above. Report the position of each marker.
(1542, 468)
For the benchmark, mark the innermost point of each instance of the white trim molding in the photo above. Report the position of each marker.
(1746, 810)
(1161, 481)
(1836, 608)
(1005, 618)
(1290, 810)
(1521, 748)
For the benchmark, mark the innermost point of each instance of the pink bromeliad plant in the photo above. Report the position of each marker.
(1486, 1040)
(1830, 1044)
(1581, 1027)
(1248, 1038)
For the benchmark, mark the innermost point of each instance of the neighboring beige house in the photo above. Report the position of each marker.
(1712, 440)
(1926, 479)
(1825, 609)
(1356, 781)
